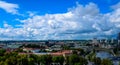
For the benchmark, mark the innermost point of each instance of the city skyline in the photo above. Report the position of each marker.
(59, 19)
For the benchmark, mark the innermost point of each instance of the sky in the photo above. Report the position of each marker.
(59, 19)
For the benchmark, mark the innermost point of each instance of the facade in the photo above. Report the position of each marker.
(62, 53)
(95, 42)
(119, 38)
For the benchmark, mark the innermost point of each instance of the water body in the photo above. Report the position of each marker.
(103, 54)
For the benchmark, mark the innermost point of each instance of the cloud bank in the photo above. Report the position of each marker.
(9, 7)
(80, 22)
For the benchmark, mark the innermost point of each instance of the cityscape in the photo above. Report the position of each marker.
(60, 32)
(62, 52)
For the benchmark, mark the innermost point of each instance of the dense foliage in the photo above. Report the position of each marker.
(14, 58)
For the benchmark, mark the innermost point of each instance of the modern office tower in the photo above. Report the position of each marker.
(119, 38)
(106, 40)
(112, 40)
(100, 40)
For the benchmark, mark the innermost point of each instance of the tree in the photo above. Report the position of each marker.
(106, 62)
(31, 61)
(34, 57)
(22, 60)
(48, 59)
(42, 59)
(115, 50)
(67, 60)
(77, 64)
(83, 61)
(73, 59)
(65, 47)
(11, 61)
(32, 46)
(74, 52)
(97, 61)
(61, 60)
(58, 59)
(2, 51)
(82, 52)
(77, 60)
(45, 59)
(2, 63)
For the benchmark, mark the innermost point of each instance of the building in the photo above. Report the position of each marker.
(112, 40)
(106, 40)
(95, 42)
(62, 53)
(118, 38)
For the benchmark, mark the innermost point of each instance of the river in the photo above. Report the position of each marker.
(103, 55)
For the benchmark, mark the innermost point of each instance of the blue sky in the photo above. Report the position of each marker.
(59, 19)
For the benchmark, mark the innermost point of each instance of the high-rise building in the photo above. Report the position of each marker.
(119, 38)
(106, 40)
(112, 40)
(101, 41)
(95, 41)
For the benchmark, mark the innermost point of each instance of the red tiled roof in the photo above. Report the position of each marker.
(67, 52)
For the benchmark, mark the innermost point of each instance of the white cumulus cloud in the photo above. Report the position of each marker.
(9, 7)
(80, 22)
